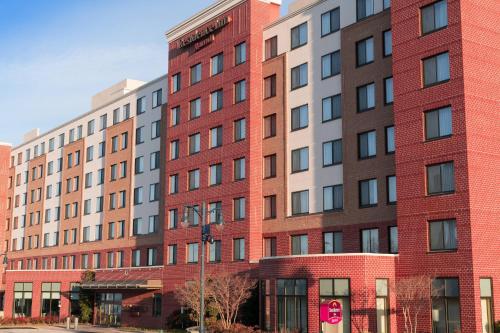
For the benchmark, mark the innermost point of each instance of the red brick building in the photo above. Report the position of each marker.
(345, 146)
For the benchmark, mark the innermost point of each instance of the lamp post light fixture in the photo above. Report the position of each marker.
(206, 236)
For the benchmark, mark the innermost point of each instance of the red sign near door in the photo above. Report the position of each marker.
(331, 312)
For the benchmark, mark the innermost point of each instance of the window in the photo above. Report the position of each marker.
(239, 209)
(215, 209)
(270, 126)
(103, 120)
(136, 258)
(369, 241)
(434, 17)
(155, 129)
(174, 184)
(173, 217)
(123, 169)
(195, 74)
(126, 111)
(364, 52)
(332, 242)
(366, 97)
(217, 64)
(214, 251)
(102, 149)
(300, 117)
(393, 240)
(192, 255)
(445, 305)
(139, 165)
(239, 169)
(367, 145)
(239, 129)
(156, 98)
(152, 256)
(195, 108)
(486, 294)
(331, 108)
(387, 36)
(271, 47)
(174, 149)
(114, 144)
(330, 65)
(270, 86)
(299, 244)
(98, 232)
(300, 159)
(299, 35)
(90, 131)
(172, 254)
(97, 260)
(215, 174)
(368, 193)
(240, 91)
(23, 295)
(364, 8)
(194, 179)
(438, 123)
(141, 105)
(388, 91)
(90, 153)
(291, 298)
(443, 235)
(440, 178)
(270, 166)
(111, 259)
(216, 100)
(330, 22)
(216, 137)
(116, 116)
(382, 305)
(175, 116)
(333, 197)
(194, 143)
(390, 145)
(270, 207)
(387, 4)
(157, 305)
(336, 290)
(86, 235)
(391, 190)
(240, 53)
(154, 160)
(332, 152)
(111, 230)
(270, 247)
(239, 249)
(299, 76)
(176, 82)
(99, 204)
(61, 143)
(138, 195)
(300, 202)
(154, 192)
(436, 69)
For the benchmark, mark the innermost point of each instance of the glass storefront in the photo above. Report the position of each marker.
(23, 295)
(291, 296)
(51, 299)
(109, 309)
(338, 290)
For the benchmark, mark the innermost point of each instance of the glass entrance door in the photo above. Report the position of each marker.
(109, 309)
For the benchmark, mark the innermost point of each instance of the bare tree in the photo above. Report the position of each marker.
(227, 292)
(189, 296)
(413, 295)
(360, 314)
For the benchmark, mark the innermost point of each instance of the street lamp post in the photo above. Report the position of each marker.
(205, 237)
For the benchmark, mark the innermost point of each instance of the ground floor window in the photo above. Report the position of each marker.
(445, 305)
(291, 297)
(109, 309)
(51, 298)
(382, 303)
(156, 305)
(336, 290)
(74, 298)
(23, 295)
(486, 305)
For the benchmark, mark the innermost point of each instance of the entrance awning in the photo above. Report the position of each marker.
(130, 284)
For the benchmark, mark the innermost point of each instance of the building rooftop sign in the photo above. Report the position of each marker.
(205, 33)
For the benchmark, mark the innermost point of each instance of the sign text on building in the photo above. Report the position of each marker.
(205, 32)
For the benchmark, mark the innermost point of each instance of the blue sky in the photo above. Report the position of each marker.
(56, 54)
